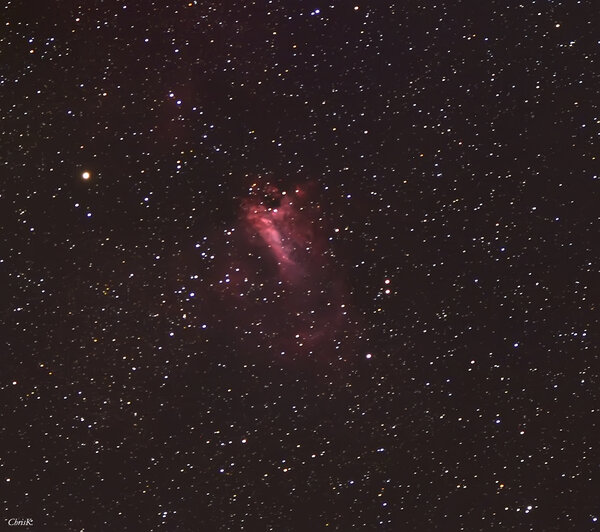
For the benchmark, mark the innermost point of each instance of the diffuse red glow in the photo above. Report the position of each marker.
(303, 295)
(284, 227)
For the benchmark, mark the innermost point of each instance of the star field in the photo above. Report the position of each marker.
(277, 265)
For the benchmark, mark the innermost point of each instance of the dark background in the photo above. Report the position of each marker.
(452, 144)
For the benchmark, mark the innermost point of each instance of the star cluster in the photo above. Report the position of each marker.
(277, 265)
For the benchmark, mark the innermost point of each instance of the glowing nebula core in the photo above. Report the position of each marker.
(283, 224)
(281, 281)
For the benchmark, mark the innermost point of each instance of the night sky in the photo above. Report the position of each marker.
(299, 266)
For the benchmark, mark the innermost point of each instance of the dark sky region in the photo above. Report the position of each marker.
(282, 265)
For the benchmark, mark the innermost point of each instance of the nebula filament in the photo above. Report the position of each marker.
(280, 281)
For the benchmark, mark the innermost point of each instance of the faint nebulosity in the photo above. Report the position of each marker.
(274, 265)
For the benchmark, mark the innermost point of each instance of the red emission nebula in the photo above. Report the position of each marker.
(281, 285)
(285, 229)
